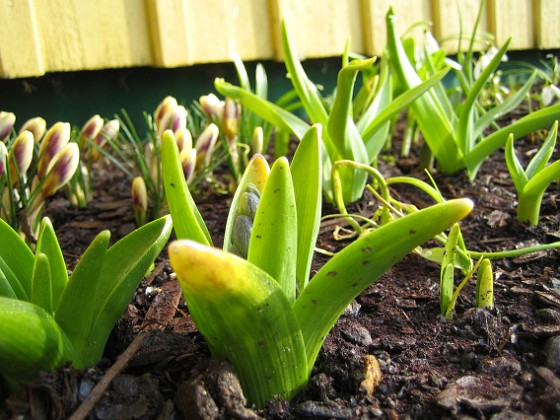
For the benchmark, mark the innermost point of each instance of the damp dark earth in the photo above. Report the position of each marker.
(391, 355)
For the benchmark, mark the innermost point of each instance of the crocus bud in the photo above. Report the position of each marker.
(188, 162)
(20, 156)
(213, 107)
(183, 138)
(152, 162)
(7, 121)
(139, 200)
(230, 119)
(35, 126)
(90, 130)
(61, 169)
(3, 155)
(54, 141)
(167, 105)
(205, 145)
(257, 141)
(174, 118)
(107, 133)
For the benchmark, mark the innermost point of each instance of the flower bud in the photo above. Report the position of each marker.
(173, 119)
(36, 126)
(230, 119)
(54, 141)
(3, 155)
(167, 105)
(188, 162)
(61, 169)
(20, 156)
(257, 141)
(107, 133)
(7, 121)
(213, 107)
(139, 200)
(205, 145)
(90, 130)
(183, 138)
(152, 162)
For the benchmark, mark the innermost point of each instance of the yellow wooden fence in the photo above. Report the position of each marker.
(40, 36)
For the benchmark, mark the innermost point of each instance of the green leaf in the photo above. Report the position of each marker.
(514, 166)
(485, 285)
(529, 204)
(47, 244)
(74, 313)
(11, 286)
(31, 341)
(41, 293)
(539, 161)
(306, 176)
(273, 244)
(358, 265)
(124, 266)
(17, 255)
(447, 276)
(187, 221)
(6, 289)
(245, 318)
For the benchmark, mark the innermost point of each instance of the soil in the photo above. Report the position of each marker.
(481, 364)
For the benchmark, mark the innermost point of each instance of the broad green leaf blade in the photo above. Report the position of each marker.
(6, 289)
(514, 166)
(245, 318)
(17, 255)
(41, 293)
(503, 108)
(47, 243)
(436, 128)
(529, 203)
(30, 342)
(270, 112)
(306, 176)
(539, 161)
(485, 285)
(534, 121)
(187, 221)
(305, 89)
(248, 191)
(124, 266)
(74, 313)
(358, 265)
(12, 285)
(273, 243)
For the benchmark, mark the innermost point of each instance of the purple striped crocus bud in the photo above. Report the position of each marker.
(60, 171)
(152, 162)
(139, 200)
(20, 156)
(257, 141)
(90, 130)
(36, 126)
(205, 145)
(3, 155)
(108, 132)
(183, 138)
(7, 121)
(188, 162)
(230, 119)
(213, 106)
(55, 140)
(167, 105)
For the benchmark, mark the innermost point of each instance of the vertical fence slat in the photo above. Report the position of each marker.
(450, 17)
(20, 51)
(547, 20)
(512, 18)
(374, 12)
(318, 29)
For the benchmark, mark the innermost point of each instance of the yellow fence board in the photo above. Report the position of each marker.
(38, 36)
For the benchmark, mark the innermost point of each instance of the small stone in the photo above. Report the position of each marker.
(356, 333)
(552, 352)
(549, 315)
(500, 365)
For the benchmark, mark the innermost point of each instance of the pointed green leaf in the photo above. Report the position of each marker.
(6, 289)
(47, 243)
(273, 244)
(514, 166)
(12, 286)
(245, 318)
(358, 265)
(539, 161)
(41, 293)
(187, 221)
(17, 255)
(306, 176)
